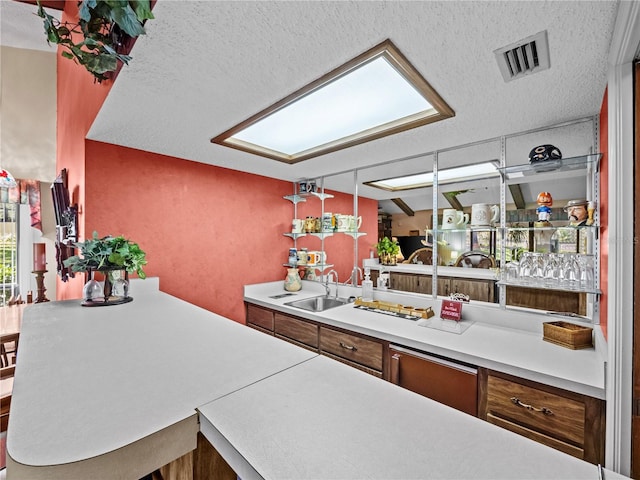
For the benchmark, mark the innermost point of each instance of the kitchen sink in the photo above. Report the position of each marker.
(318, 304)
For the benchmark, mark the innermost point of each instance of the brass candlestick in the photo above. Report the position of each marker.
(40, 284)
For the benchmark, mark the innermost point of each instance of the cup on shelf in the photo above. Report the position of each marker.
(354, 223)
(452, 219)
(297, 225)
(302, 256)
(483, 214)
(343, 222)
(328, 222)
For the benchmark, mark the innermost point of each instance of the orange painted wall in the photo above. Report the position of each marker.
(604, 212)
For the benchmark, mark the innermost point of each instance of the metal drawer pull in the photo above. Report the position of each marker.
(348, 347)
(543, 410)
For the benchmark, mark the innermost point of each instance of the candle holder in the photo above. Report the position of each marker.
(40, 284)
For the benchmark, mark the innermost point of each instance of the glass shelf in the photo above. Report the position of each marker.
(318, 266)
(552, 228)
(294, 235)
(321, 234)
(297, 198)
(355, 234)
(563, 165)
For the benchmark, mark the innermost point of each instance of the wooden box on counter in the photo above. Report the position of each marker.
(567, 334)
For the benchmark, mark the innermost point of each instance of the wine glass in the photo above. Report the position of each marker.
(525, 268)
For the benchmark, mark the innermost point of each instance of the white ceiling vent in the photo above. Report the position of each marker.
(530, 55)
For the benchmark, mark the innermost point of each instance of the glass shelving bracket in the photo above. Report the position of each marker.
(562, 165)
(295, 198)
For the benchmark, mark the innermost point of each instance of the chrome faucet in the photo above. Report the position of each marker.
(326, 282)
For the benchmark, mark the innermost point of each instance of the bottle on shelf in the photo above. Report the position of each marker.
(367, 286)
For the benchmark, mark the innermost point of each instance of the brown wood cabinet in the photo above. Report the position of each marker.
(358, 351)
(543, 299)
(365, 354)
(477, 289)
(442, 380)
(296, 330)
(567, 421)
(260, 318)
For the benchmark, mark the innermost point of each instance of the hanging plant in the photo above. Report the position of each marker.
(104, 26)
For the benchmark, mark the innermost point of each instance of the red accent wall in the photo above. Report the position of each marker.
(604, 211)
(79, 100)
(207, 231)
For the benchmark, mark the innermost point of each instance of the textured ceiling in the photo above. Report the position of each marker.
(205, 66)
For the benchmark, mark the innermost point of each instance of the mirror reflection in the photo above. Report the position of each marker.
(478, 231)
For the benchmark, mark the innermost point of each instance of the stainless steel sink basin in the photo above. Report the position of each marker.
(318, 304)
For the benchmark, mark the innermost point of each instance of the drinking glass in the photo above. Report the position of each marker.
(511, 272)
(525, 268)
(570, 273)
(587, 281)
(551, 271)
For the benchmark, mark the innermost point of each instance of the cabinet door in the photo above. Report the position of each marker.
(407, 282)
(444, 286)
(425, 284)
(481, 290)
(543, 299)
(442, 380)
(259, 317)
(566, 421)
(351, 347)
(298, 330)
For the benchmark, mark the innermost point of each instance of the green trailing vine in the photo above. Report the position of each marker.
(101, 29)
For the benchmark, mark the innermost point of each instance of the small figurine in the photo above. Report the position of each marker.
(577, 212)
(591, 208)
(544, 209)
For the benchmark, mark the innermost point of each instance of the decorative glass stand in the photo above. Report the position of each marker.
(114, 292)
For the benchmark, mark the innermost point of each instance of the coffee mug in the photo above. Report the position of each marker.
(297, 225)
(452, 218)
(302, 256)
(343, 222)
(314, 258)
(483, 214)
(327, 222)
(354, 223)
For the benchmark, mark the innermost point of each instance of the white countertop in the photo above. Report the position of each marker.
(324, 420)
(89, 381)
(115, 388)
(509, 341)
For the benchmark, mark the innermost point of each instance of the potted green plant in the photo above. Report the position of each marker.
(108, 253)
(110, 256)
(104, 27)
(387, 250)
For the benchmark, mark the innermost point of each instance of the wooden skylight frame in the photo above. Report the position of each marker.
(440, 109)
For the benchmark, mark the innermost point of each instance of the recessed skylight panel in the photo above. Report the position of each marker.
(376, 94)
(371, 95)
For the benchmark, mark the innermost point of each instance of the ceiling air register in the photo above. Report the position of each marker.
(376, 94)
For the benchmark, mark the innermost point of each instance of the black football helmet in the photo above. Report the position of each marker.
(543, 153)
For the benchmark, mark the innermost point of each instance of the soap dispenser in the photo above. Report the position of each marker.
(367, 287)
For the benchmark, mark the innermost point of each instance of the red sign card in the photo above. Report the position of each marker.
(451, 310)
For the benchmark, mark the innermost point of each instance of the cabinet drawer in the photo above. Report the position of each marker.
(357, 349)
(552, 414)
(260, 317)
(296, 329)
(538, 437)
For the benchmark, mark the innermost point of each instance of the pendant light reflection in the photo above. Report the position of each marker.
(7, 180)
